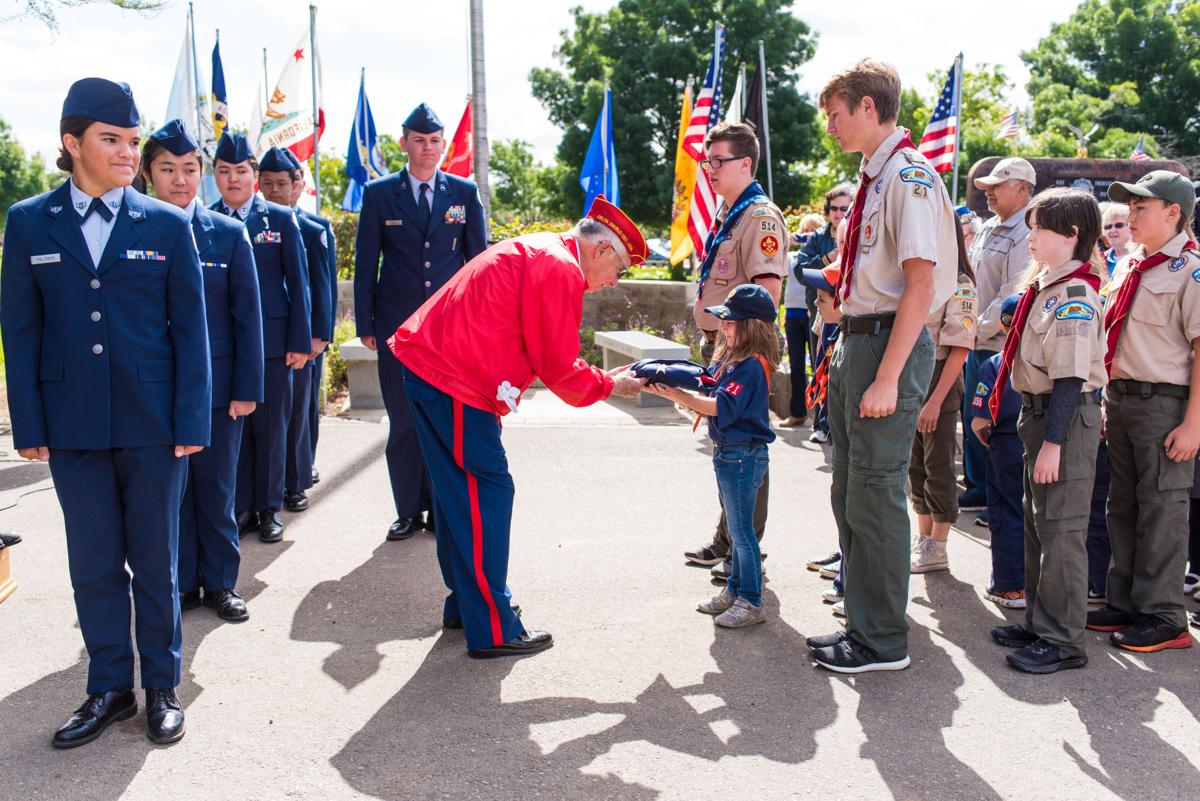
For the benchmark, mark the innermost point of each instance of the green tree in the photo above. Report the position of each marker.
(20, 176)
(646, 49)
(333, 183)
(394, 157)
(516, 191)
(47, 10)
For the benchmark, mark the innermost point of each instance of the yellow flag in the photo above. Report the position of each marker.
(685, 181)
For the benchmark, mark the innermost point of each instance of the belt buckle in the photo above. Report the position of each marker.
(875, 328)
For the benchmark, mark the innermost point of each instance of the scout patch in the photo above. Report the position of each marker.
(770, 226)
(733, 388)
(144, 255)
(1076, 292)
(921, 192)
(761, 213)
(916, 175)
(867, 231)
(1075, 310)
(982, 388)
(1196, 276)
(769, 245)
(1177, 265)
(1050, 303)
(968, 323)
(963, 293)
(46, 258)
(456, 214)
(268, 237)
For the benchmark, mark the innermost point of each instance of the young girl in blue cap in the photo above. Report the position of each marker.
(737, 406)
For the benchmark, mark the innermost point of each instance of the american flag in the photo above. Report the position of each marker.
(1139, 152)
(938, 143)
(1010, 126)
(705, 114)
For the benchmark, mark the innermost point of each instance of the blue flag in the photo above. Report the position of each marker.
(220, 108)
(364, 158)
(599, 173)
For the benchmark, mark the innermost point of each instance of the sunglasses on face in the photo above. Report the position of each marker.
(1117, 225)
(842, 209)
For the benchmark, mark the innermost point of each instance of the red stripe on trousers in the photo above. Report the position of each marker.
(476, 527)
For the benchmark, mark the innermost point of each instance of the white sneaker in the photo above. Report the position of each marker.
(929, 555)
(831, 571)
(839, 609)
(819, 437)
(831, 596)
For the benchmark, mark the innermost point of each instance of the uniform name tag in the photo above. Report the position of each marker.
(217, 264)
(46, 258)
(456, 214)
(144, 255)
(268, 237)
(393, 222)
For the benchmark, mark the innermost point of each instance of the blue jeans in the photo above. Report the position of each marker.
(975, 458)
(740, 470)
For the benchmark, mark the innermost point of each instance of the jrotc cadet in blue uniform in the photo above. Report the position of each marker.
(283, 289)
(427, 225)
(278, 174)
(102, 310)
(209, 555)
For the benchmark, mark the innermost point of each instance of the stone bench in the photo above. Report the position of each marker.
(626, 347)
(362, 372)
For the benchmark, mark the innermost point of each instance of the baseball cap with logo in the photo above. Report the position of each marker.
(1162, 184)
(1008, 170)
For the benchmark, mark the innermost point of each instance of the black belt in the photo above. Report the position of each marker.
(1040, 403)
(1147, 388)
(868, 323)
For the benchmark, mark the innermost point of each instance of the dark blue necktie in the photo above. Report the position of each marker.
(100, 207)
(423, 210)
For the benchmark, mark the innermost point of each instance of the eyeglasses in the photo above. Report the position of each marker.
(842, 209)
(1117, 225)
(717, 162)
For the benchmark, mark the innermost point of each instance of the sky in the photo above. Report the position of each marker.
(415, 51)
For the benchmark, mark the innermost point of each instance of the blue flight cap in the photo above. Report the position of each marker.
(292, 158)
(103, 101)
(423, 120)
(233, 149)
(175, 138)
(277, 159)
(747, 300)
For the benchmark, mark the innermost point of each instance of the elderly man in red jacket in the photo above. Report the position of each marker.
(509, 315)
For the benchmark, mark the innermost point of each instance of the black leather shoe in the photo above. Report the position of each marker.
(189, 600)
(1042, 657)
(229, 605)
(295, 501)
(270, 527)
(456, 622)
(530, 642)
(164, 716)
(10, 538)
(1014, 636)
(403, 528)
(316, 476)
(247, 522)
(428, 524)
(91, 719)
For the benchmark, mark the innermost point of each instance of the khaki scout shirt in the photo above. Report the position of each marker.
(756, 246)
(1156, 342)
(1064, 336)
(953, 325)
(1000, 256)
(907, 215)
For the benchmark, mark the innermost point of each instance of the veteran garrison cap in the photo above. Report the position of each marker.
(277, 159)
(423, 120)
(1162, 184)
(233, 148)
(103, 101)
(616, 221)
(175, 138)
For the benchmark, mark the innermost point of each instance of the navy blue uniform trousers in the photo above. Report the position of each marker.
(975, 460)
(314, 408)
(1099, 550)
(1006, 516)
(298, 471)
(469, 473)
(121, 506)
(406, 469)
(209, 552)
(264, 443)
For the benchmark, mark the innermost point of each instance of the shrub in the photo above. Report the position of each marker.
(335, 366)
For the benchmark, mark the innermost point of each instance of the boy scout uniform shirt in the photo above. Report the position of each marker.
(907, 215)
(1000, 256)
(756, 246)
(1063, 338)
(1156, 342)
(953, 325)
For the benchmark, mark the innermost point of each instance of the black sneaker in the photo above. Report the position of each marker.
(1109, 618)
(826, 640)
(972, 501)
(824, 561)
(705, 556)
(849, 656)
(1149, 634)
(1194, 619)
(1014, 636)
(1042, 657)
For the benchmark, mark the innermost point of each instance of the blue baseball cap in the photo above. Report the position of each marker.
(746, 301)
(277, 160)
(174, 137)
(1008, 307)
(103, 101)
(824, 279)
(423, 120)
(233, 149)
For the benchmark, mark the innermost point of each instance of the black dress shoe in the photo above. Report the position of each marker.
(428, 524)
(164, 716)
(529, 642)
(91, 719)
(189, 600)
(9, 538)
(456, 622)
(247, 522)
(403, 528)
(295, 501)
(316, 476)
(1042, 657)
(270, 527)
(229, 605)
(1014, 636)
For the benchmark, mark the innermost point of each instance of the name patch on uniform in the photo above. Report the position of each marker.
(1075, 310)
(769, 245)
(916, 175)
(144, 255)
(1177, 265)
(393, 222)
(733, 388)
(219, 265)
(456, 214)
(1076, 292)
(268, 237)
(46, 258)
(1050, 303)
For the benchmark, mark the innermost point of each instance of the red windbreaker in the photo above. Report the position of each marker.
(511, 313)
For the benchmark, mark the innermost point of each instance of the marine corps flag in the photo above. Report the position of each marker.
(460, 155)
(685, 182)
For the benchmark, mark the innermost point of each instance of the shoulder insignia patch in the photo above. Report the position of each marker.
(1177, 265)
(769, 245)
(920, 191)
(761, 213)
(965, 293)
(769, 226)
(1050, 303)
(916, 175)
(1075, 310)
(733, 388)
(982, 388)
(1076, 291)
(1196, 276)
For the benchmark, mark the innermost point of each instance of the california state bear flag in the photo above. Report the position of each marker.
(288, 120)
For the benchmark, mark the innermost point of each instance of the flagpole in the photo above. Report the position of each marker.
(742, 101)
(312, 51)
(604, 140)
(479, 109)
(762, 84)
(958, 123)
(266, 82)
(196, 95)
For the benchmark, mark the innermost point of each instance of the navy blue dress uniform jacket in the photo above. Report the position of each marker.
(89, 367)
(331, 265)
(316, 250)
(416, 263)
(231, 301)
(282, 278)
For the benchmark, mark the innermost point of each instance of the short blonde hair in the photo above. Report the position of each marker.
(867, 78)
(1110, 210)
(810, 223)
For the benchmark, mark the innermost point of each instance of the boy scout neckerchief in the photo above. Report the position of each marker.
(1118, 307)
(749, 195)
(1020, 317)
(854, 226)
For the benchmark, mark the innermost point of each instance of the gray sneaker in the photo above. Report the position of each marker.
(928, 555)
(742, 613)
(718, 603)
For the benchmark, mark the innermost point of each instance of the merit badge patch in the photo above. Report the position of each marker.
(268, 237)
(916, 175)
(1177, 265)
(769, 245)
(1075, 310)
(733, 388)
(456, 214)
(1050, 303)
(144, 255)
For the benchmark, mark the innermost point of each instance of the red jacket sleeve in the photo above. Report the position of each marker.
(551, 311)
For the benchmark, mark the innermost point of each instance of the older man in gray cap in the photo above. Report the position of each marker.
(999, 254)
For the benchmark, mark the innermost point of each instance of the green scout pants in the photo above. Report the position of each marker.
(1056, 523)
(1147, 507)
(870, 463)
(931, 477)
